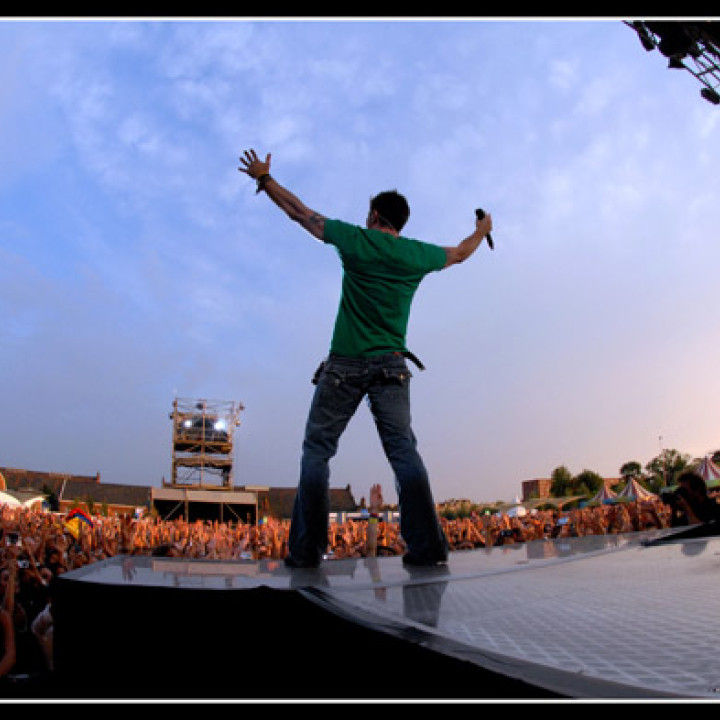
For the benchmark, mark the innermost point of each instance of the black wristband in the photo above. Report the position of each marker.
(261, 182)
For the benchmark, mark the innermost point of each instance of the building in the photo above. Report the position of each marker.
(65, 491)
(249, 503)
(535, 489)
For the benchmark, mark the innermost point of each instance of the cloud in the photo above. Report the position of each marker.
(137, 262)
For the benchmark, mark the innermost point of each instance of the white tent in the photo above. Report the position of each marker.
(7, 499)
(635, 491)
(517, 511)
(20, 498)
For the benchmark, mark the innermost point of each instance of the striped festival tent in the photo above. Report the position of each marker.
(709, 472)
(604, 495)
(635, 491)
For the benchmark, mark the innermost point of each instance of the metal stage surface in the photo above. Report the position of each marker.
(595, 618)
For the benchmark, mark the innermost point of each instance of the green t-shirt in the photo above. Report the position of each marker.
(381, 273)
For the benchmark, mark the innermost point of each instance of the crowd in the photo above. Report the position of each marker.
(36, 546)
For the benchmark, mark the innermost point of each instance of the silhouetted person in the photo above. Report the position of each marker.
(692, 501)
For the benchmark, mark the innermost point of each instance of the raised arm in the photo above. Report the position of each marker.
(9, 654)
(290, 204)
(463, 250)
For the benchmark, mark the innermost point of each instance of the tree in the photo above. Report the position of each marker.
(631, 470)
(666, 467)
(588, 482)
(564, 483)
(561, 481)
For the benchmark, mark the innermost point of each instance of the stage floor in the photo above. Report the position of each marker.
(594, 617)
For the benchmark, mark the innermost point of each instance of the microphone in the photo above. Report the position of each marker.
(480, 215)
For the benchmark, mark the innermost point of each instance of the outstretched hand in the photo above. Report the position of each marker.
(253, 166)
(483, 225)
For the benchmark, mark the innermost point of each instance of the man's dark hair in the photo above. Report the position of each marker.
(392, 208)
(693, 481)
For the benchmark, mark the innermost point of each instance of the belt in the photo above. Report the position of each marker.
(410, 356)
(405, 353)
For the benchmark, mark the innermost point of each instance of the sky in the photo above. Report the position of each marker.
(138, 265)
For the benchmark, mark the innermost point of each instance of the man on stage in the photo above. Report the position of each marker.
(381, 272)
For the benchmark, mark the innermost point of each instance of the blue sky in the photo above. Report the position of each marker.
(137, 264)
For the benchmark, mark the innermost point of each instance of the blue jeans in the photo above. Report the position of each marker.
(341, 385)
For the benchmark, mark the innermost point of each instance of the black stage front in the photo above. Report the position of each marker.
(597, 617)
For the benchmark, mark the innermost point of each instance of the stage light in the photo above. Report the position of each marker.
(676, 64)
(645, 38)
(220, 425)
(681, 42)
(710, 95)
(674, 38)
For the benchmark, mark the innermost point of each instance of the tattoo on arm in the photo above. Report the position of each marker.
(314, 223)
(295, 209)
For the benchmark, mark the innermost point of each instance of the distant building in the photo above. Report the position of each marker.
(536, 489)
(67, 491)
